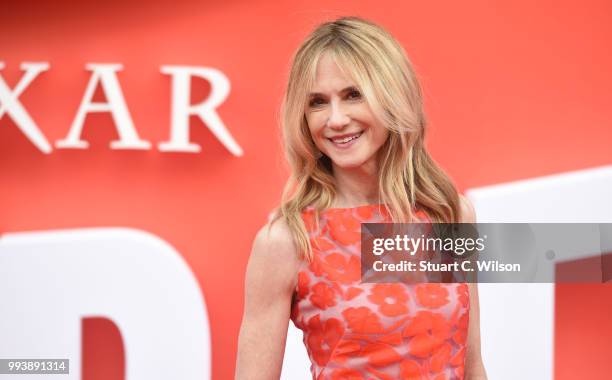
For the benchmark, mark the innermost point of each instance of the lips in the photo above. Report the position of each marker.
(343, 139)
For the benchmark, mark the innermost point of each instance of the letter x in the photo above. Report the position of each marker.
(10, 104)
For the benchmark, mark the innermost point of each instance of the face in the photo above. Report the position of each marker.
(340, 120)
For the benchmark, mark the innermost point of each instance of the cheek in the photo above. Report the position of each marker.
(314, 126)
(378, 140)
(383, 135)
(379, 133)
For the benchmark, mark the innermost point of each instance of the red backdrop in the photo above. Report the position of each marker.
(513, 91)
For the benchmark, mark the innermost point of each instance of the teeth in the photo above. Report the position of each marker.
(347, 139)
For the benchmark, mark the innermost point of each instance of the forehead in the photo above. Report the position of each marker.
(329, 77)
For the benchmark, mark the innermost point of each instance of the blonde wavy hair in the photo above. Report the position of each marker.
(409, 179)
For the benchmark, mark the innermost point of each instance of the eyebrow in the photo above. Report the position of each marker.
(344, 90)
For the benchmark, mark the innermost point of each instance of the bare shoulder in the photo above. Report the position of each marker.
(468, 213)
(275, 241)
(274, 259)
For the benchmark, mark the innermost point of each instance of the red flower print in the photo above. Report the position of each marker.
(344, 228)
(440, 358)
(321, 243)
(346, 374)
(323, 296)
(380, 354)
(346, 349)
(432, 295)
(462, 292)
(364, 213)
(460, 336)
(410, 370)
(309, 220)
(379, 375)
(302, 286)
(362, 321)
(428, 331)
(316, 266)
(459, 357)
(394, 339)
(390, 298)
(343, 268)
(352, 330)
(464, 320)
(352, 293)
(323, 338)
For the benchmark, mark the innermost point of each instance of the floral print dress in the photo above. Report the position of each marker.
(362, 331)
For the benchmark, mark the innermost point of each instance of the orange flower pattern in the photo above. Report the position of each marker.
(432, 295)
(354, 330)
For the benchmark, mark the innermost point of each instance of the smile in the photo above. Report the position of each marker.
(345, 141)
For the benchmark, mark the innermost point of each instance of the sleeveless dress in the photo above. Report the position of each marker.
(363, 331)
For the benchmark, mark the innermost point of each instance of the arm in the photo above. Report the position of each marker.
(474, 367)
(271, 277)
(606, 254)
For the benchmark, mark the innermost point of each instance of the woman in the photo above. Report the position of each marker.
(354, 128)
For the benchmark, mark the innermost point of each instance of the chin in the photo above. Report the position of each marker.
(348, 163)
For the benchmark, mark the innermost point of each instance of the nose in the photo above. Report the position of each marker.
(338, 118)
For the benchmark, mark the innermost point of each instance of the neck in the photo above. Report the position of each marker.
(356, 186)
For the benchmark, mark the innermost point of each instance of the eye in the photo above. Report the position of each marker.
(354, 94)
(316, 102)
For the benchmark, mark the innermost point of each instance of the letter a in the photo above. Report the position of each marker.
(106, 75)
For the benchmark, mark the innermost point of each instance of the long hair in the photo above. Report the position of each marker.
(409, 179)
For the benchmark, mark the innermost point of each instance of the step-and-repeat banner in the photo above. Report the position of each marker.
(140, 153)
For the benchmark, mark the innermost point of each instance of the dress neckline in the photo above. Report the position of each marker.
(348, 208)
(381, 207)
